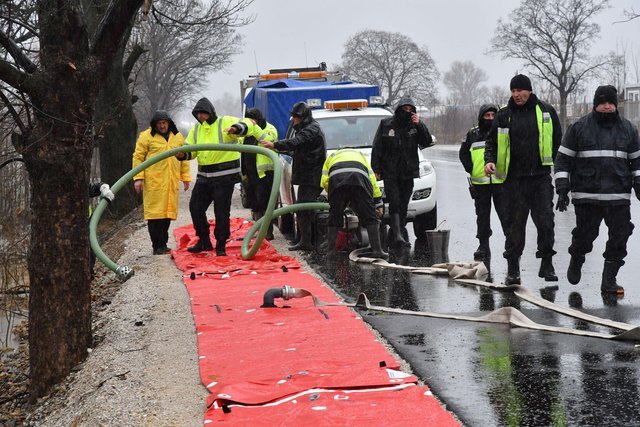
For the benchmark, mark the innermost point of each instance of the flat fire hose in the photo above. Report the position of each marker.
(505, 315)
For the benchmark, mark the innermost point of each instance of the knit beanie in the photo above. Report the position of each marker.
(605, 93)
(520, 81)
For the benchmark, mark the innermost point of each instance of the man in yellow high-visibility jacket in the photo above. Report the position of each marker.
(348, 179)
(218, 172)
(520, 148)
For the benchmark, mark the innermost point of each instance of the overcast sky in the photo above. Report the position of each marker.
(304, 33)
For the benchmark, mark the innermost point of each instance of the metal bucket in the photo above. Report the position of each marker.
(438, 245)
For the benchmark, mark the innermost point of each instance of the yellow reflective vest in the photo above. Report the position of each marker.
(332, 168)
(264, 163)
(545, 145)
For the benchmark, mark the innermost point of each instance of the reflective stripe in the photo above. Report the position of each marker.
(477, 145)
(503, 130)
(603, 153)
(634, 155)
(599, 196)
(343, 170)
(547, 159)
(221, 173)
(567, 152)
(635, 173)
(562, 175)
(481, 180)
(265, 167)
(501, 175)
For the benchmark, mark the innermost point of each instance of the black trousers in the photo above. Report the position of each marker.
(159, 232)
(484, 195)
(524, 195)
(205, 192)
(357, 197)
(588, 219)
(306, 193)
(262, 192)
(398, 193)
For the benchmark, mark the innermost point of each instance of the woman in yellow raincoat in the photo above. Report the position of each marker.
(159, 183)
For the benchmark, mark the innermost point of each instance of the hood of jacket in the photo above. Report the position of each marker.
(256, 114)
(482, 123)
(162, 115)
(401, 117)
(204, 105)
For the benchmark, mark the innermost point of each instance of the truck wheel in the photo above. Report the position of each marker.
(424, 222)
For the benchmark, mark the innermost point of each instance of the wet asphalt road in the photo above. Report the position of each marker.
(494, 375)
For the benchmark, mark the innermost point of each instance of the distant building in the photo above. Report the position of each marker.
(632, 92)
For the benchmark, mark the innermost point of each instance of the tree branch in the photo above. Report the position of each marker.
(115, 22)
(16, 53)
(131, 60)
(14, 113)
(16, 78)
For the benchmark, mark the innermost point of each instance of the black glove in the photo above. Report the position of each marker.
(636, 188)
(563, 202)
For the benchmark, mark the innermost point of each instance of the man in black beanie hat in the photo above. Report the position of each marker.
(599, 162)
(519, 151)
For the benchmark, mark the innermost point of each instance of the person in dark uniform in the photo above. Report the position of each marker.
(257, 169)
(599, 162)
(348, 179)
(519, 151)
(483, 188)
(394, 159)
(309, 152)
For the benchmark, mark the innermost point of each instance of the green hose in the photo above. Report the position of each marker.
(124, 272)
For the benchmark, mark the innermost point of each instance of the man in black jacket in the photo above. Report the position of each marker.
(309, 152)
(394, 159)
(520, 149)
(483, 188)
(599, 161)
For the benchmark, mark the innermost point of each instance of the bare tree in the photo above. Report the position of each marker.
(553, 39)
(186, 40)
(464, 82)
(393, 62)
(58, 77)
(498, 95)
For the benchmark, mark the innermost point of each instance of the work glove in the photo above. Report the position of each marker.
(106, 193)
(563, 202)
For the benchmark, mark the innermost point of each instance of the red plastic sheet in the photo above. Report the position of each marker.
(255, 361)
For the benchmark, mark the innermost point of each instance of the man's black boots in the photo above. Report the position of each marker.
(304, 224)
(513, 271)
(574, 272)
(546, 270)
(221, 248)
(483, 252)
(396, 229)
(609, 284)
(332, 237)
(373, 231)
(204, 244)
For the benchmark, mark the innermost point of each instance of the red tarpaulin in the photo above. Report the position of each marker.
(255, 361)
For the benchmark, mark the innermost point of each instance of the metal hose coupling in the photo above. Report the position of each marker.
(124, 273)
(286, 293)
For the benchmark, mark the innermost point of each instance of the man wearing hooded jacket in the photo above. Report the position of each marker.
(218, 172)
(309, 152)
(483, 188)
(159, 182)
(599, 161)
(519, 151)
(394, 159)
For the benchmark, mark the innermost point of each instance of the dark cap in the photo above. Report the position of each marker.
(606, 93)
(520, 81)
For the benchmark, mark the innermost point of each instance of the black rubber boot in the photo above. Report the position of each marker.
(547, 271)
(221, 248)
(483, 252)
(513, 272)
(609, 284)
(373, 231)
(332, 237)
(396, 230)
(304, 223)
(201, 246)
(574, 272)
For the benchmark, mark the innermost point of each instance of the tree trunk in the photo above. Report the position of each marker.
(116, 129)
(562, 114)
(58, 155)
